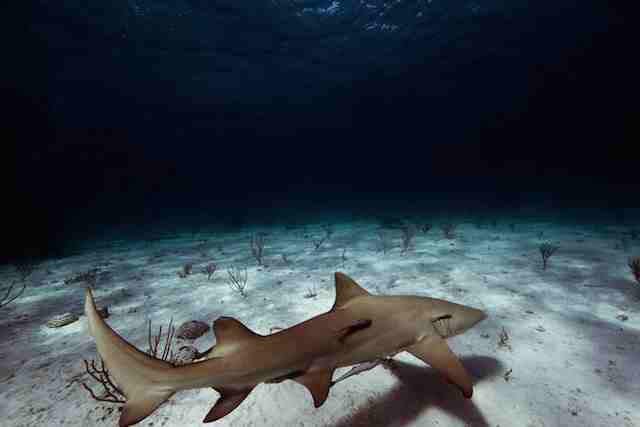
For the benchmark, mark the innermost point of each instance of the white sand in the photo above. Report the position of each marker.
(572, 362)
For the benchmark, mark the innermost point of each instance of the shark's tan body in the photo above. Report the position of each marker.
(359, 328)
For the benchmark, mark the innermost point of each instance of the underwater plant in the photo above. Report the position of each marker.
(503, 339)
(210, 269)
(187, 269)
(546, 250)
(448, 229)
(89, 277)
(408, 233)
(328, 231)
(311, 292)
(7, 298)
(384, 240)
(24, 270)
(634, 265)
(238, 280)
(257, 246)
(317, 243)
(110, 391)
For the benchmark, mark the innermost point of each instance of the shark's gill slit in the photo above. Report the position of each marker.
(442, 325)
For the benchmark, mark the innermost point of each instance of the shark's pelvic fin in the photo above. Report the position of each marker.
(318, 384)
(435, 351)
(228, 401)
(346, 290)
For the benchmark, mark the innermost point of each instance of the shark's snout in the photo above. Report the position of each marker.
(468, 317)
(453, 319)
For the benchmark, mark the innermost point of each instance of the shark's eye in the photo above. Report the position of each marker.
(442, 325)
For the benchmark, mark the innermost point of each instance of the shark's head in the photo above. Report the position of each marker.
(449, 319)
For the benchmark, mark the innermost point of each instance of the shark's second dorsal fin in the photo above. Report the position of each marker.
(230, 329)
(346, 289)
(229, 332)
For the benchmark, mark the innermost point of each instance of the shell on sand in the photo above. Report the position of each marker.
(192, 329)
(62, 320)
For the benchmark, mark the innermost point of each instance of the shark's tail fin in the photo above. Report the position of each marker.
(137, 375)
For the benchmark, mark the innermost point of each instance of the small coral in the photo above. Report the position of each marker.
(7, 298)
(210, 269)
(89, 277)
(192, 330)
(110, 391)
(546, 250)
(187, 269)
(634, 265)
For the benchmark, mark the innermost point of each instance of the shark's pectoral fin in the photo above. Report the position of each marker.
(138, 408)
(318, 384)
(227, 402)
(435, 351)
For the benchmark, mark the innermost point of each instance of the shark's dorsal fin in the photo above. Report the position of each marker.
(318, 384)
(346, 289)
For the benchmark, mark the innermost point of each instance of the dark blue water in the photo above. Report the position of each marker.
(130, 112)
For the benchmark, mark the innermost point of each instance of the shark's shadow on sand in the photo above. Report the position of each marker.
(419, 389)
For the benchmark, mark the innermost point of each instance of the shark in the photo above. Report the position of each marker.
(361, 330)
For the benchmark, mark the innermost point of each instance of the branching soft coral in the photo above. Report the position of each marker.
(634, 265)
(7, 298)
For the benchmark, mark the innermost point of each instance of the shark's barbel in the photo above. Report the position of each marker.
(360, 329)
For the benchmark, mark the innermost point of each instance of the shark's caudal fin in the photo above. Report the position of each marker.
(134, 372)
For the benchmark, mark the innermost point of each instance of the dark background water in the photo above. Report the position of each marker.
(128, 112)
